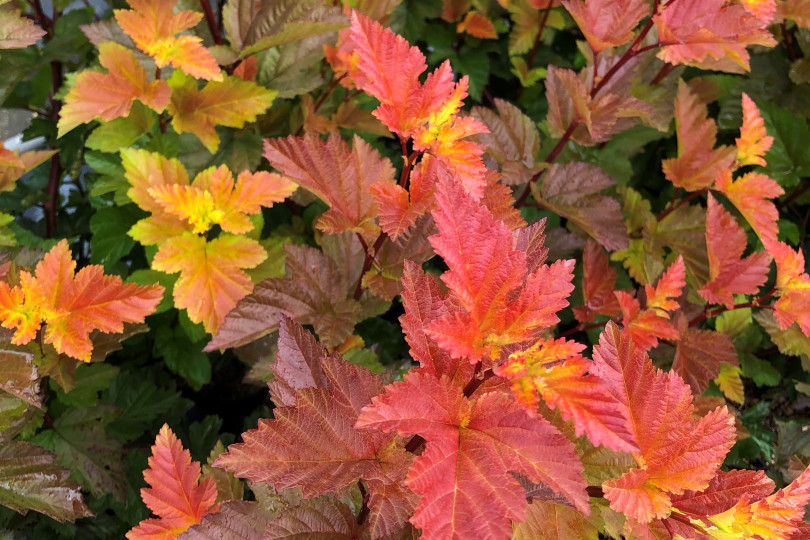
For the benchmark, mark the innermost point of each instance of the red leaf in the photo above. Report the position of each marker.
(72, 305)
(175, 495)
(698, 161)
(339, 175)
(709, 34)
(699, 355)
(500, 302)
(319, 518)
(298, 363)
(750, 194)
(472, 446)
(730, 274)
(793, 286)
(285, 452)
(598, 282)
(677, 451)
(607, 23)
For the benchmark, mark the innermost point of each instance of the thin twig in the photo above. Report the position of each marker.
(213, 26)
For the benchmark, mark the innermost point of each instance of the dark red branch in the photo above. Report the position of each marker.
(211, 19)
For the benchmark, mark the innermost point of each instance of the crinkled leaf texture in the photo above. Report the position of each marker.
(472, 447)
(72, 304)
(236, 520)
(677, 451)
(500, 296)
(17, 31)
(312, 442)
(174, 493)
(793, 287)
(607, 23)
(750, 193)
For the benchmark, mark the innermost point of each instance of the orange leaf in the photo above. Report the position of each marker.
(174, 493)
(607, 23)
(229, 103)
(666, 292)
(214, 198)
(477, 25)
(763, 10)
(754, 142)
(750, 194)
(729, 273)
(793, 286)
(108, 96)
(698, 162)
(211, 278)
(14, 165)
(72, 305)
(152, 24)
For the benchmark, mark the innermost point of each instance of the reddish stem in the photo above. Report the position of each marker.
(371, 253)
(212, 21)
(709, 313)
(672, 207)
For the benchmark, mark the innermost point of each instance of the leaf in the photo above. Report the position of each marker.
(79, 440)
(501, 301)
(30, 479)
(236, 520)
(17, 31)
(152, 24)
(793, 286)
(698, 162)
(709, 34)
(607, 23)
(72, 304)
(19, 375)
(754, 141)
(277, 25)
(318, 518)
(776, 516)
(472, 446)
(763, 10)
(572, 191)
(174, 495)
(513, 141)
(286, 454)
(231, 102)
(338, 175)
(700, 355)
(215, 199)
(477, 25)
(212, 280)
(323, 299)
(298, 363)
(145, 170)
(750, 194)
(555, 371)
(546, 520)
(730, 383)
(100, 96)
(730, 274)
(598, 282)
(14, 165)
(677, 451)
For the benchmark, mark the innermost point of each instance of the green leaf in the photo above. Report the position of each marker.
(110, 241)
(182, 356)
(761, 371)
(30, 479)
(120, 132)
(148, 277)
(789, 156)
(79, 440)
(90, 380)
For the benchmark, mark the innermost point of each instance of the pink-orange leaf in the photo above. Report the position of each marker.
(555, 371)
(677, 451)
(472, 447)
(607, 23)
(793, 286)
(729, 273)
(287, 453)
(750, 194)
(17, 31)
(698, 161)
(211, 278)
(709, 34)
(477, 25)
(500, 302)
(153, 25)
(72, 304)
(339, 175)
(754, 142)
(763, 10)
(107, 96)
(174, 493)
(13, 165)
